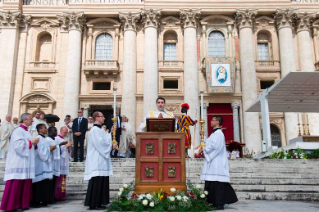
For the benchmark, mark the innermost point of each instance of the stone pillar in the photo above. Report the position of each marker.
(86, 111)
(206, 105)
(10, 24)
(129, 21)
(245, 20)
(305, 48)
(151, 22)
(284, 19)
(189, 20)
(73, 22)
(235, 106)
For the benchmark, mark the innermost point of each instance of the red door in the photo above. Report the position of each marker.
(226, 112)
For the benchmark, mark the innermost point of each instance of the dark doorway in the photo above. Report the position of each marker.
(107, 111)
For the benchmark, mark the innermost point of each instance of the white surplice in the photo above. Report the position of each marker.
(154, 114)
(5, 133)
(98, 161)
(216, 163)
(69, 126)
(65, 155)
(43, 165)
(55, 156)
(20, 160)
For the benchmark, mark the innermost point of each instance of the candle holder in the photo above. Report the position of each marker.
(114, 119)
(202, 143)
(299, 133)
(308, 129)
(304, 129)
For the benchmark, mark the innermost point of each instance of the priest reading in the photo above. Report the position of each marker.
(19, 170)
(159, 113)
(43, 169)
(98, 165)
(215, 171)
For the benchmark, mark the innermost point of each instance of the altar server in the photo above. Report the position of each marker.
(19, 170)
(215, 171)
(98, 165)
(43, 169)
(65, 149)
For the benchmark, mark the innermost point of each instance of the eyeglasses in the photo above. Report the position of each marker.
(80, 112)
(101, 116)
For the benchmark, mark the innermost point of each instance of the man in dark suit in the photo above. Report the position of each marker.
(79, 128)
(118, 128)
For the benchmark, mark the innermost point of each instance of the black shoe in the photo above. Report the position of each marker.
(74, 161)
(219, 207)
(36, 205)
(101, 208)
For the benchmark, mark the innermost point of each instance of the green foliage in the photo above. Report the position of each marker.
(314, 154)
(192, 200)
(291, 154)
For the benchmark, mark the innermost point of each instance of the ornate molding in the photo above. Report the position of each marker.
(235, 105)
(304, 21)
(129, 20)
(14, 20)
(245, 18)
(72, 21)
(189, 18)
(284, 17)
(151, 17)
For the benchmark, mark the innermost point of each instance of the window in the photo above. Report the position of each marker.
(263, 45)
(170, 46)
(263, 51)
(275, 136)
(101, 86)
(44, 48)
(170, 84)
(266, 83)
(216, 44)
(170, 51)
(104, 47)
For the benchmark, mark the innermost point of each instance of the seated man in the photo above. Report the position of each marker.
(159, 113)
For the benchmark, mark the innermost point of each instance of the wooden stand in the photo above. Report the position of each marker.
(160, 161)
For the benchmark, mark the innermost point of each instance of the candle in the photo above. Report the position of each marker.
(307, 119)
(202, 104)
(298, 118)
(114, 106)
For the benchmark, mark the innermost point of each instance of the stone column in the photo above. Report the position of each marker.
(86, 111)
(206, 105)
(129, 21)
(189, 20)
(305, 48)
(284, 19)
(10, 23)
(151, 22)
(245, 20)
(73, 22)
(235, 106)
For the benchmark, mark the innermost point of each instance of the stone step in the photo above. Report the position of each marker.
(277, 188)
(293, 196)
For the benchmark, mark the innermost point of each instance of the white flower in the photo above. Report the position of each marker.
(119, 194)
(173, 189)
(202, 196)
(198, 186)
(206, 192)
(185, 198)
(145, 202)
(178, 197)
(172, 199)
(151, 204)
(140, 197)
(148, 196)
(121, 189)
(125, 186)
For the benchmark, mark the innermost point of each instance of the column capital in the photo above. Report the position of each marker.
(235, 105)
(304, 21)
(189, 18)
(14, 19)
(72, 21)
(245, 18)
(151, 17)
(284, 17)
(129, 20)
(206, 105)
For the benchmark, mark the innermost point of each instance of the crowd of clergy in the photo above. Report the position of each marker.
(38, 157)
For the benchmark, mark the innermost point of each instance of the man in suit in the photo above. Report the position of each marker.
(79, 128)
(118, 128)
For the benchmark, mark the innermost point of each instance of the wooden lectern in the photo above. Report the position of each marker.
(160, 157)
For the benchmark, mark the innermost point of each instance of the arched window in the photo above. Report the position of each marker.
(216, 44)
(275, 136)
(263, 45)
(44, 48)
(170, 46)
(104, 47)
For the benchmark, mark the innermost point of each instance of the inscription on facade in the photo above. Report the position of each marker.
(67, 2)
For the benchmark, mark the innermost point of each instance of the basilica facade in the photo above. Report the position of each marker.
(60, 55)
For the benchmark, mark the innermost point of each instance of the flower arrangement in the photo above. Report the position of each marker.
(192, 200)
(291, 154)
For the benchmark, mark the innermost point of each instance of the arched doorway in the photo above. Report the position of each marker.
(275, 136)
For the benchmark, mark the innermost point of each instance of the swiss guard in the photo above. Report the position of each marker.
(183, 123)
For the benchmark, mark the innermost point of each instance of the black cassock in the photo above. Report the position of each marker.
(220, 193)
(98, 192)
(41, 192)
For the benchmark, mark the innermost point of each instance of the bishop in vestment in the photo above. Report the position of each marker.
(20, 169)
(215, 171)
(98, 165)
